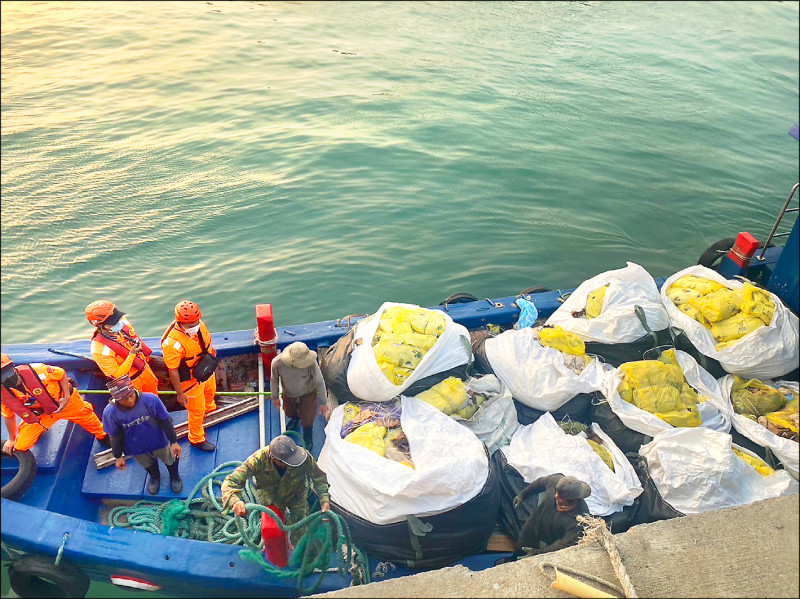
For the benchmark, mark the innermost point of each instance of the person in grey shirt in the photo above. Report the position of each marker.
(296, 377)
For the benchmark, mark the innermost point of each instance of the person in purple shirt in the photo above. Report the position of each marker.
(139, 426)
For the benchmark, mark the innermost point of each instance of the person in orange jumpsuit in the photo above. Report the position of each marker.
(117, 349)
(54, 382)
(191, 359)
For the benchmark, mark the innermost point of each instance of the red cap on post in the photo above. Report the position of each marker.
(267, 336)
(743, 250)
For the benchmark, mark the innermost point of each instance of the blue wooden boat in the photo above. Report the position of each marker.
(62, 514)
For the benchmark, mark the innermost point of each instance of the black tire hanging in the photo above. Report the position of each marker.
(23, 480)
(535, 289)
(459, 298)
(34, 575)
(715, 252)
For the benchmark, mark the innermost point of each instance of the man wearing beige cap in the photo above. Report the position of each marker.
(296, 377)
(553, 523)
(282, 471)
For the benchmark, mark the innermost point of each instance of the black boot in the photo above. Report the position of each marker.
(308, 439)
(175, 482)
(154, 483)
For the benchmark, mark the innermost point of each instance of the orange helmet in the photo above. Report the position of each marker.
(5, 361)
(187, 311)
(98, 311)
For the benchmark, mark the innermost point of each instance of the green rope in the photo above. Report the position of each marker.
(202, 518)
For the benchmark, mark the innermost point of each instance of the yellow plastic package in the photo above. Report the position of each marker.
(403, 337)
(735, 327)
(786, 418)
(760, 465)
(757, 302)
(603, 453)
(563, 341)
(718, 305)
(754, 398)
(369, 436)
(594, 303)
(701, 285)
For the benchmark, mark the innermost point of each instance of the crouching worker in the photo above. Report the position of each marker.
(553, 524)
(41, 395)
(140, 427)
(281, 471)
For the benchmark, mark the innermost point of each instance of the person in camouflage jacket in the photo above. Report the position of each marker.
(282, 472)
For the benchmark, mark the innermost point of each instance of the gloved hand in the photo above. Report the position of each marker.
(517, 501)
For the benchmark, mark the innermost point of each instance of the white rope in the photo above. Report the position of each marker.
(595, 531)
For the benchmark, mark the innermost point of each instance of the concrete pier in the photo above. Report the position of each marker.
(746, 551)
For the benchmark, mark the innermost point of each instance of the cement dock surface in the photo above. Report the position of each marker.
(745, 551)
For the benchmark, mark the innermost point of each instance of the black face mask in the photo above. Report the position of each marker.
(11, 380)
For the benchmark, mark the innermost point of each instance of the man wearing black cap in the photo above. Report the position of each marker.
(281, 471)
(140, 426)
(553, 524)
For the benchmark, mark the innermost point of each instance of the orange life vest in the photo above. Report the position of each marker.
(39, 401)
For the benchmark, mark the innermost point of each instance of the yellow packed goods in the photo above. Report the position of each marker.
(718, 305)
(594, 303)
(414, 339)
(369, 436)
(693, 312)
(448, 396)
(397, 375)
(571, 427)
(602, 452)
(754, 398)
(757, 302)
(428, 322)
(681, 296)
(760, 465)
(688, 417)
(468, 410)
(398, 354)
(735, 327)
(785, 419)
(659, 387)
(562, 340)
(699, 284)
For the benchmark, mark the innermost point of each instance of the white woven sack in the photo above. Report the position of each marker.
(715, 413)
(495, 422)
(627, 288)
(767, 353)
(543, 448)
(451, 467)
(786, 450)
(536, 374)
(695, 470)
(364, 377)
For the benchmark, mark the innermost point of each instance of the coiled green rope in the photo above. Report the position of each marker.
(202, 518)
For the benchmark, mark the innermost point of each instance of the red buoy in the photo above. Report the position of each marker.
(266, 335)
(276, 543)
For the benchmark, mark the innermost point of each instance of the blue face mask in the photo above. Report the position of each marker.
(117, 327)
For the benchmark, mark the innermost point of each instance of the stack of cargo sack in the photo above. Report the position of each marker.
(699, 470)
(650, 396)
(573, 449)
(746, 329)
(766, 413)
(546, 369)
(482, 404)
(427, 509)
(423, 492)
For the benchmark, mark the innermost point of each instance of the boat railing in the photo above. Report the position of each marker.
(784, 210)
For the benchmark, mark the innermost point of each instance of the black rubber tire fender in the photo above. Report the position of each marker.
(34, 575)
(23, 480)
(535, 289)
(458, 298)
(715, 252)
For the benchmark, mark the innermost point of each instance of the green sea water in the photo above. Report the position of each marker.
(326, 157)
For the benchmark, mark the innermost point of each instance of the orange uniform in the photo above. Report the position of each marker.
(77, 409)
(115, 365)
(178, 346)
